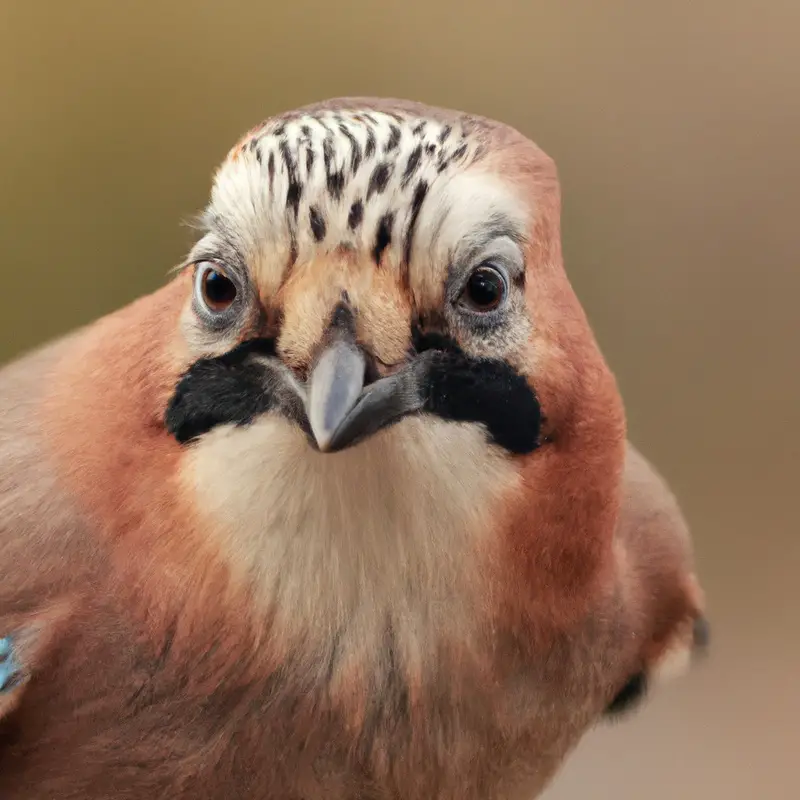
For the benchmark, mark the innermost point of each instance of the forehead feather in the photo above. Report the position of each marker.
(405, 187)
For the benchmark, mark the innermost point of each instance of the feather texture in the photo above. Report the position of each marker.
(426, 615)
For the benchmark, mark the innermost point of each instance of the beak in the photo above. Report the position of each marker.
(341, 410)
(334, 388)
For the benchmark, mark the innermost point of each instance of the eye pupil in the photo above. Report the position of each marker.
(485, 289)
(218, 291)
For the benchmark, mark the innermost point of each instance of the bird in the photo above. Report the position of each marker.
(345, 508)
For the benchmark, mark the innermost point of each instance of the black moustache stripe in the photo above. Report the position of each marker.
(228, 389)
(235, 389)
(488, 392)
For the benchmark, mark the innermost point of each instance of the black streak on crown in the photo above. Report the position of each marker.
(394, 139)
(355, 147)
(411, 165)
(317, 222)
(334, 178)
(383, 237)
(369, 149)
(271, 169)
(294, 190)
(379, 178)
(416, 206)
(356, 215)
(459, 151)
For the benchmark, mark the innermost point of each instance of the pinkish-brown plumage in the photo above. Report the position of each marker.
(422, 615)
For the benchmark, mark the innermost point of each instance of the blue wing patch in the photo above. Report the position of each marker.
(10, 669)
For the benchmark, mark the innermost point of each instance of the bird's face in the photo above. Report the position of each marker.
(361, 351)
(353, 268)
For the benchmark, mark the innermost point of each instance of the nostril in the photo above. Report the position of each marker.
(701, 633)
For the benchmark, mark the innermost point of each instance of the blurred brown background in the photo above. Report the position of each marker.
(676, 127)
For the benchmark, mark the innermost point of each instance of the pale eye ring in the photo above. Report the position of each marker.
(214, 290)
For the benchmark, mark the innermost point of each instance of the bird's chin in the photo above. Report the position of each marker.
(303, 526)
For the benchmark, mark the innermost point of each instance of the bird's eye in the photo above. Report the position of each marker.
(215, 291)
(485, 290)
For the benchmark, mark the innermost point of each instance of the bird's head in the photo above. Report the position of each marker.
(379, 337)
(362, 266)
(375, 399)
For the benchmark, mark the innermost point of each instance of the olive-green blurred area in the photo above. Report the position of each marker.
(676, 128)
